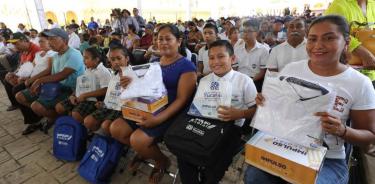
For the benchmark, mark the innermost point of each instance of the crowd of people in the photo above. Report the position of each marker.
(241, 50)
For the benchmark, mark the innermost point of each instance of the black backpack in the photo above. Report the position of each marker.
(200, 141)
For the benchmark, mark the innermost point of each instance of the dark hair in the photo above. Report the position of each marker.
(95, 53)
(176, 33)
(252, 24)
(232, 30)
(223, 43)
(124, 51)
(33, 30)
(132, 27)
(85, 37)
(93, 40)
(127, 11)
(210, 26)
(342, 27)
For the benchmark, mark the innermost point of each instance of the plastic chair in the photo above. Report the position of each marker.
(139, 57)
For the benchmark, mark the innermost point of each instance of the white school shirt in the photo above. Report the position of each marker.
(284, 53)
(250, 63)
(74, 41)
(102, 78)
(35, 40)
(203, 58)
(354, 92)
(243, 90)
(41, 63)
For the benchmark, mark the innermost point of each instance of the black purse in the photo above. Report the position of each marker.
(200, 141)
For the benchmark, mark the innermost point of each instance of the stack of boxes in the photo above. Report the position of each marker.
(143, 107)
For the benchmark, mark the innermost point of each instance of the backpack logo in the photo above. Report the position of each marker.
(189, 127)
(64, 137)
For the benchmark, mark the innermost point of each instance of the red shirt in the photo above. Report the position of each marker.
(30, 54)
(146, 41)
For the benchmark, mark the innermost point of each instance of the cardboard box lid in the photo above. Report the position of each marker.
(309, 157)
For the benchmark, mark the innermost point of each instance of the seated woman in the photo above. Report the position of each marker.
(132, 40)
(179, 78)
(327, 45)
(194, 37)
(42, 66)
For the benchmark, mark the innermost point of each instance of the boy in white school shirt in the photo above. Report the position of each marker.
(251, 57)
(221, 58)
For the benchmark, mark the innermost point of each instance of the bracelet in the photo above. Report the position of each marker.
(343, 135)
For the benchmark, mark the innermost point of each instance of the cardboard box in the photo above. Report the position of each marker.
(136, 114)
(293, 163)
(147, 104)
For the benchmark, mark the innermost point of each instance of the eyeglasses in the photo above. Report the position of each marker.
(306, 84)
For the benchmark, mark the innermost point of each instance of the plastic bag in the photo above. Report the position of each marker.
(112, 97)
(147, 81)
(25, 70)
(289, 108)
(209, 96)
(86, 83)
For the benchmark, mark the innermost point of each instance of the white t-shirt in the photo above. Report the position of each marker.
(243, 90)
(354, 92)
(35, 40)
(41, 62)
(250, 63)
(74, 41)
(203, 58)
(223, 36)
(284, 53)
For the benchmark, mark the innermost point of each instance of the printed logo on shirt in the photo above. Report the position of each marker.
(339, 104)
(214, 86)
(253, 66)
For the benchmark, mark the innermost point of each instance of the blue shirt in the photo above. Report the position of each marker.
(171, 75)
(92, 25)
(73, 59)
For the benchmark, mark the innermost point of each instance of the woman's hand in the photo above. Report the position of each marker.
(99, 104)
(125, 81)
(230, 113)
(149, 122)
(259, 100)
(331, 124)
(73, 100)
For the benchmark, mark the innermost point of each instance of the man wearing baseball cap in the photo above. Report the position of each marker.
(67, 66)
(27, 52)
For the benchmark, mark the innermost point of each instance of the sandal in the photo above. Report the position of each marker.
(157, 174)
(31, 128)
(135, 163)
(46, 126)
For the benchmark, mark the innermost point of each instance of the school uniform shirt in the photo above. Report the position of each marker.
(74, 41)
(203, 58)
(354, 92)
(284, 53)
(73, 59)
(223, 36)
(102, 77)
(250, 62)
(243, 90)
(41, 62)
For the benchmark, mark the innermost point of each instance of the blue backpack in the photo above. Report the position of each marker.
(100, 160)
(69, 139)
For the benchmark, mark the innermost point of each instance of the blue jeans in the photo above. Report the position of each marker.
(334, 171)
